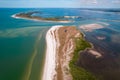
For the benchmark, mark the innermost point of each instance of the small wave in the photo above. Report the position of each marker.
(108, 20)
(73, 17)
(14, 16)
(103, 23)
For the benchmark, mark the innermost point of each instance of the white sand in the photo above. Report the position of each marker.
(95, 53)
(50, 59)
(14, 16)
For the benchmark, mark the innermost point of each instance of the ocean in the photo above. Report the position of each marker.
(22, 42)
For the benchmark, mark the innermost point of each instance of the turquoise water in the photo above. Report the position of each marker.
(17, 55)
(22, 42)
(22, 47)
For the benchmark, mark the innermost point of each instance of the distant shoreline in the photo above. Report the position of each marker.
(36, 18)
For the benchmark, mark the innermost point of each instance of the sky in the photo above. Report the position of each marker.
(59, 3)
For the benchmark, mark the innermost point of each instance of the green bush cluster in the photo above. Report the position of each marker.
(77, 72)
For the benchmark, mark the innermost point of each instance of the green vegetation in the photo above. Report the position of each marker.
(52, 19)
(29, 16)
(77, 72)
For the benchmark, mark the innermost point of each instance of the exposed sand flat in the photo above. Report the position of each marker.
(91, 27)
(95, 53)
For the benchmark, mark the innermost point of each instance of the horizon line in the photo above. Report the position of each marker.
(64, 7)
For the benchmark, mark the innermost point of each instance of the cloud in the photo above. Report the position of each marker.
(116, 2)
(90, 1)
(94, 2)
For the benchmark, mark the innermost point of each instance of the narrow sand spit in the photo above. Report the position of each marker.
(60, 46)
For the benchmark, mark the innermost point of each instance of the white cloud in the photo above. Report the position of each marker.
(116, 1)
(94, 2)
(90, 1)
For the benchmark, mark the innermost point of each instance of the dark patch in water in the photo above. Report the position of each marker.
(106, 67)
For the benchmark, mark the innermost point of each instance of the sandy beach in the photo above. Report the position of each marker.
(50, 60)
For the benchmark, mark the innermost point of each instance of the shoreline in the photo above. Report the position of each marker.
(50, 61)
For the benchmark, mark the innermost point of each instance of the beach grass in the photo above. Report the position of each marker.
(78, 73)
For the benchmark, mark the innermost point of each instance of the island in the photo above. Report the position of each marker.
(29, 15)
(64, 43)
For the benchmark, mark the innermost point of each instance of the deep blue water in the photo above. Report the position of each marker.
(19, 38)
